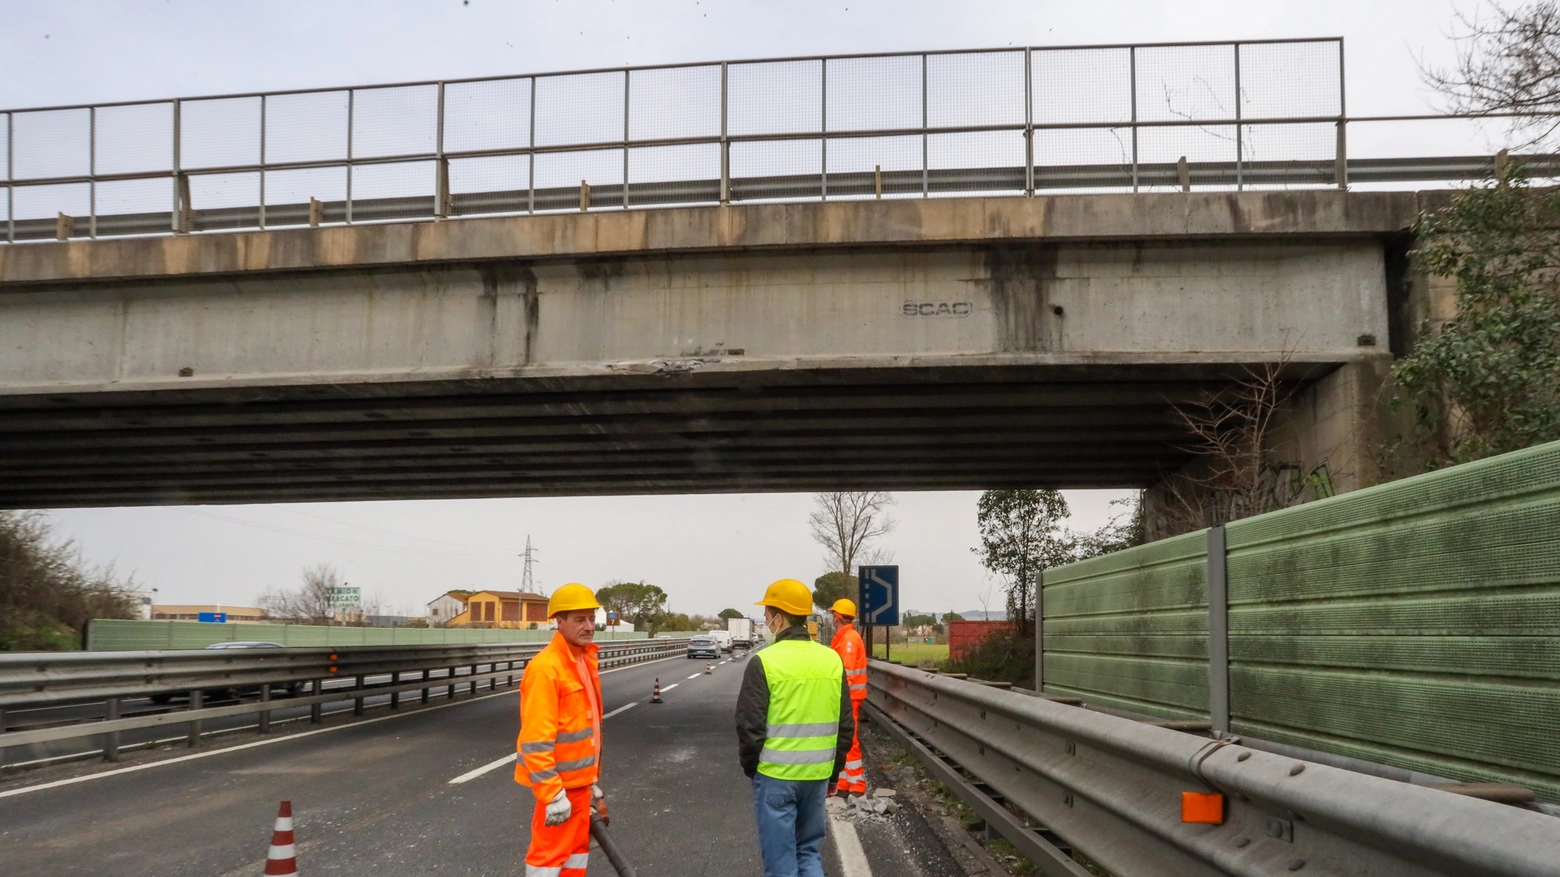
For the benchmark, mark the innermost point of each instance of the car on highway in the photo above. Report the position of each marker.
(289, 688)
(704, 646)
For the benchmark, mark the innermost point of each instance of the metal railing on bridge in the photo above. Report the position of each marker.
(1220, 115)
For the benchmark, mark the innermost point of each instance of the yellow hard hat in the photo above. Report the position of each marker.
(789, 596)
(571, 597)
(845, 608)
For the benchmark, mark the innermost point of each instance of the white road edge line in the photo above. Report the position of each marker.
(494, 765)
(267, 742)
(853, 859)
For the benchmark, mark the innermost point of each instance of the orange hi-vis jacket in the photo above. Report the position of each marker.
(560, 720)
(854, 653)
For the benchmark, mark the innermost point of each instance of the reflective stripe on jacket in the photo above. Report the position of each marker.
(802, 725)
(853, 653)
(560, 720)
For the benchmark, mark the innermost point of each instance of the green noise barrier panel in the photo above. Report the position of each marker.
(1414, 624)
(117, 635)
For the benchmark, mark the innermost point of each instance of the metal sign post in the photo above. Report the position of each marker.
(879, 598)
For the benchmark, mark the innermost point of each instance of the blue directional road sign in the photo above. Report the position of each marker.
(879, 594)
(218, 617)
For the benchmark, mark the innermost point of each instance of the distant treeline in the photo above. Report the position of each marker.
(48, 591)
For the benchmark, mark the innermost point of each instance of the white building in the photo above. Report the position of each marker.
(444, 607)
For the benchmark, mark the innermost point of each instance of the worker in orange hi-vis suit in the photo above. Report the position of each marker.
(560, 737)
(847, 642)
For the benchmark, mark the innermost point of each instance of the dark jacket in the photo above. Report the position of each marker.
(753, 711)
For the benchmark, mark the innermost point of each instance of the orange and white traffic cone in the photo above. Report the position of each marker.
(706, 668)
(281, 860)
(655, 696)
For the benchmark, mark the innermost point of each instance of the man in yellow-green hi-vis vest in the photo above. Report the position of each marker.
(794, 727)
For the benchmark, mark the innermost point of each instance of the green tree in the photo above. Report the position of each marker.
(730, 613)
(833, 586)
(1487, 381)
(1124, 530)
(1021, 535)
(633, 601)
(918, 621)
(951, 617)
(47, 592)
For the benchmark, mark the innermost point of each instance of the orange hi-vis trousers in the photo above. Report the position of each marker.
(560, 850)
(853, 778)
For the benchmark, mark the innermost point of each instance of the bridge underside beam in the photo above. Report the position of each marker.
(801, 430)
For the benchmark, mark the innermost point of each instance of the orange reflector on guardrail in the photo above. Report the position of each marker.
(1203, 808)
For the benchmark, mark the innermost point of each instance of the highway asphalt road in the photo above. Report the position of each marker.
(377, 797)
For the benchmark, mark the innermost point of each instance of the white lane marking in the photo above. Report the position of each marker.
(853, 859)
(622, 709)
(267, 742)
(696, 676)
(670, 687)
(492, 765)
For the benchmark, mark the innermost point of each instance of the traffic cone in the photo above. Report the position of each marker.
(706, 668)
(281, 859)
(655, 696)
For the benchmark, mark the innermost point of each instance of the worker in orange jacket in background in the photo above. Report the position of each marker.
(847, 642)
(560, 737)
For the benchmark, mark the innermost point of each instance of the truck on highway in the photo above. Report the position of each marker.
(741, 630)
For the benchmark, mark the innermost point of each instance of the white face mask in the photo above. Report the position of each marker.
(774, 622)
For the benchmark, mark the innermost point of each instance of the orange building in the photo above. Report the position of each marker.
(502, 609)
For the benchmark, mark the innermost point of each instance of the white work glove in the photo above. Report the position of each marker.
(558, 809)
(596, 794)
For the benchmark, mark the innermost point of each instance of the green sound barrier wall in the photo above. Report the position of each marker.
(1415, 624)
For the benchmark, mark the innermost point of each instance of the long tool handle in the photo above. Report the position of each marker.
(598, 830)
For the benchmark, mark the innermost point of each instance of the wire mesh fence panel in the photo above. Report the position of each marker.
(288, 192)
(776, 170)
(37, 209)
(219, 133)
(684, 174)
(488, 115)
(491, 184)
(395, 121)
(1077, 86)
(1209, 151)
(559, 176)
(398, 190)
(126, 207)
(976, 162)
(774, 97)
(1185, 83)
(859, 165)
(51, 143)
(306, 127)
(137, 138)
(1077, 160)
(969, 89)
(674, 103)
(580, 108)
(225, 201)
(1291, 80)
(874, 94)
(1292, 156)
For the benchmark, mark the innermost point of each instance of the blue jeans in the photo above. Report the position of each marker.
(792, 822)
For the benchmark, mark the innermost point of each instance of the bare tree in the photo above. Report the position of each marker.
(1508, 62)
(310, 602)
(1236, 472)
(843, 523)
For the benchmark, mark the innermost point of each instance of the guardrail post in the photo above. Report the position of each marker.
(357, 702)
(315, 711)
(449, 692)
(111, 739)
(395, 696)
(493, 682)
(472, 685)
(197, 700)
(425, 675)
(1218, 633)
(265, 708)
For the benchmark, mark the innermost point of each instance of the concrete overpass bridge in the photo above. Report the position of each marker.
(922, 271)
(944, 343)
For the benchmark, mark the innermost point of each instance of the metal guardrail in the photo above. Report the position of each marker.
(1111, 788)
(111, 678)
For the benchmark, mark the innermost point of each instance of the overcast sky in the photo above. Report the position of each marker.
(708, 552)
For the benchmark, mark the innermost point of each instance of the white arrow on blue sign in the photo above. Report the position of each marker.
(879, 594)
